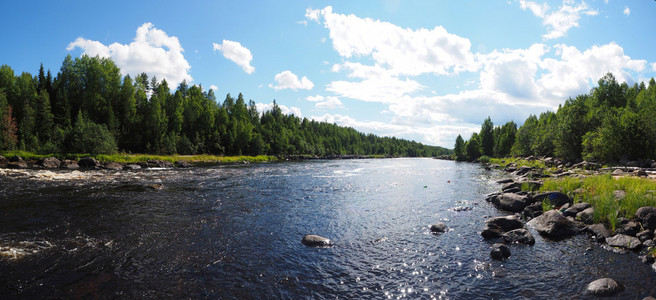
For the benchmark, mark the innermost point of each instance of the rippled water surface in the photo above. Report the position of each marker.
(235, 232)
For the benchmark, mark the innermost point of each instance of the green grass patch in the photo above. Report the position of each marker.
(135, 158)
(599, 191)
(520, 162)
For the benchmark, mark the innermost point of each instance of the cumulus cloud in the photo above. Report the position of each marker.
(289, 80)
(236, 53)
(214, 87)
(560, 21)
(627, 10)
(329, 102)
(401, 51)
(384, 88)
(153, 51)
(264, 107)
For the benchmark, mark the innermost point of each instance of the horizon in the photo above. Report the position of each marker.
(383, 69)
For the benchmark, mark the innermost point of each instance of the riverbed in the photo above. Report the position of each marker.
(235, 232)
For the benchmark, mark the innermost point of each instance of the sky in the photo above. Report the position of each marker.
(419, 70)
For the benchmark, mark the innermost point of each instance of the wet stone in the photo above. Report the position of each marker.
(312, 240)
(604, 287)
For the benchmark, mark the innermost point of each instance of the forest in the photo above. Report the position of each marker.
(612, 123)
(89, 107)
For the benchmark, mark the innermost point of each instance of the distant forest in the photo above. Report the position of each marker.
(90, 108)
(614, 122)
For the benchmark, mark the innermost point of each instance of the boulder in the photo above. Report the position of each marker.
(499, 251)
(586, 215)
(575, 209)
(624, 241)
(518, 236)
(511, 186)
(603, 287)
(132, 167)
(557, 199)
(646, 215)
(183, 164)
(532, 210)
(619, 195)
(438, 228)
(618, 172)
(554, 225)
(630, 228)
(69, 164)
(640, 173)
(645, 235)
(16, 158)
(504, 181)
(88, 163)
(114, 166)
(512, 202)
(312, 240)
(3, 161)
(494, 227)
(159, 164)
(523, 170)
(49, 163)
(17, 164)
(599, 231)
(491, 197)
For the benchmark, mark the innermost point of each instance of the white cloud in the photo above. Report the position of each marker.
(384, 88)
(237, 53)
(402, 51)
(573, 72)
(653, 67)
(329, 102)
(214, 87)
(289, 80)
(512, 71)
(627, 10)
(560, 21)
(263, 107)
(152, 51)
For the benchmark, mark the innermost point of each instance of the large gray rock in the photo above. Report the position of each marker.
(575, 209)
(645, 235)
(3, 161)
(599, 231)
(646, 215)
(511, 186)
(586, 216)
(49, 163)
(554, 225)
(499, 251)
(69, 164)
(518, 236)
(624, 241)
(312, 240)
(603, 287)
(160, 164)
(512, 202)
(438, 228)
(494, 227)
(629, 228)
(532, 210)
(114, 166)
(557, 199)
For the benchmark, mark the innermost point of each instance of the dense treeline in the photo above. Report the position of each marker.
(90, 108)
(614, 122)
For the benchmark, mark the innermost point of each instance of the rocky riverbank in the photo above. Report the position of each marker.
(556, 216)
(87, 163)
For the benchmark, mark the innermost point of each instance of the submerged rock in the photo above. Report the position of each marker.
(554, 225)
(494, 227)
(312, 240)
(438, 228)
(518, 236)
(646, 215)
(499, 251)
(624, 241)
(603, 287)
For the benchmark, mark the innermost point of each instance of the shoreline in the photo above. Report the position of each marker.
(540, 193)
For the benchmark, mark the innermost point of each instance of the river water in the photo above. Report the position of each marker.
(235, 232)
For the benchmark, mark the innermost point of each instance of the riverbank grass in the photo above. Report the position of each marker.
(519, 162)
(135, 158)
(611, 197)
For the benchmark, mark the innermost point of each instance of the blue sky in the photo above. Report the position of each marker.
(420, 70)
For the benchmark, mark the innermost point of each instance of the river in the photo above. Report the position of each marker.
(227, 232)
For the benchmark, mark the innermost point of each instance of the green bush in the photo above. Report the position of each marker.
(89, 137)
(484, 159)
